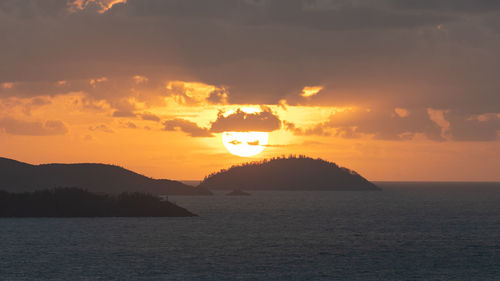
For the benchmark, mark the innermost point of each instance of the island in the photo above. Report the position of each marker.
(100, 178)
(238, 192)
(76, 202)
(288, 173)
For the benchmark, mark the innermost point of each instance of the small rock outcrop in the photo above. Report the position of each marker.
(238, 192)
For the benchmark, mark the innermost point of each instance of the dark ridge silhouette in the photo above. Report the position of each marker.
(100, 178)
(76, 202)
(288, 173)
(238, 192)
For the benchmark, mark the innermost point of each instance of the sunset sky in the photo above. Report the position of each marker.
(396, 90)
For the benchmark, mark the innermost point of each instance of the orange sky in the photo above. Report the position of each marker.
(90, 133)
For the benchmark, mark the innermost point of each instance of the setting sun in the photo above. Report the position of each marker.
(245, 144)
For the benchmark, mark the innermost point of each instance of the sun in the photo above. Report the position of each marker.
(245, 144)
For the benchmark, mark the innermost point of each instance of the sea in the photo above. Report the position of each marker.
(408, 231)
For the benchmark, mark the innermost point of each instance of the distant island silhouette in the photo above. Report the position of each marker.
(75, 202)
(238, 192)
(287, 173)
(16, 176)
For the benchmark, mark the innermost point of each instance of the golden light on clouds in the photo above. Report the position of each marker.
(246, 109)
(88, 125)
(401, 112)
(94, 82)
(7, 85)
(139, 79)
(103, 5)
(311, 91)
(194, 93)
(437, 116)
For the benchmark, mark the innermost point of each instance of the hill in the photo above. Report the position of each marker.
(288, 173)
(75, 202)
(100, 178)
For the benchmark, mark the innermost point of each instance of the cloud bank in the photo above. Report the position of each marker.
(186, 126)
(379, 54)
(240, 121)
(33, 128)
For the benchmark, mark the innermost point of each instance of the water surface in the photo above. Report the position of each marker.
(423, 232)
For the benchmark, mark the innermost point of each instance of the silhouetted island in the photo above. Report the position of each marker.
(75, 202)
(288, 173)
(101, 178)
(238, 192)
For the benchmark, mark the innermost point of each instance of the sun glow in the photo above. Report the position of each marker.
(245, 144)
(311, 91)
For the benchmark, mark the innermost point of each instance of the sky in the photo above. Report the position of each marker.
(396, 90)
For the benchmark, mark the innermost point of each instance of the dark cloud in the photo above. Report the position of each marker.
(33, 128)
(448, 5)
(186, 126)
(26, 105)
(302, 13)
(381, 124)
(385, 124)
(317, 130)
(473, 128)
(123, 114)
(389, 125)
(240, 121)
(131, 125)
(102, 128)
(218, 96)
(150, 117)
(416, 54)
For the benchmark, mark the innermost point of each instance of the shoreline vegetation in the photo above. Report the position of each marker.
(288, 173)
(77, 202)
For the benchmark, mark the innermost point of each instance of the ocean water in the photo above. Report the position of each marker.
(405, 232)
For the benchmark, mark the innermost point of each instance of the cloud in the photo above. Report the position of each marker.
(317, 130)
(381, 124)
(120, 114)
(149, 117)
(381, 54)
(449, 5)
(101, 6)
(311, 91)
(473, 128)
(401, 112)
(7, 85)
(403, 124)
(25, 106)
(384, 124)
(102, 128)
(437, 116)
(186, 126)
(237, 121)
(240, 121)
(139, 79)
(196, 93)
(33, 128)
(131, 125)
(218, 96)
